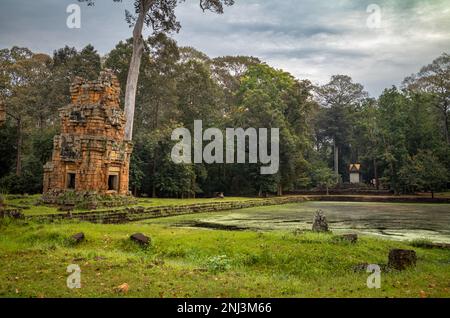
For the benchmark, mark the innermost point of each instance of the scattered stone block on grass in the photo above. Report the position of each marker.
(444, 246)
(141, 239)
(320, 222)
(360, 267)
(351, 238)
(78, 238)
(431, 245)
(402, 259)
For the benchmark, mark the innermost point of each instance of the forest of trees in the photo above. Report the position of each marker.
(401, 139)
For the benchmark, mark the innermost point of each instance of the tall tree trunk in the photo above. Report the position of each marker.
(279, 190)
(447, 137)
(19, 148)
(155, 126)
(393, 179)
(156, 116)
(153, 175)
(133, 72)
(336, 160)
(375, 172)
(192, 192)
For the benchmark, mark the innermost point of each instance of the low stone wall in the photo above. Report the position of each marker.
(370, 192)
(377, 198)
(11, 213)
(131, 214)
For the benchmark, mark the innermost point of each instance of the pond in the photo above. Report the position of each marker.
(389, 220)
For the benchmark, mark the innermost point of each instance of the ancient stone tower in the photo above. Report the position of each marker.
(90, 154)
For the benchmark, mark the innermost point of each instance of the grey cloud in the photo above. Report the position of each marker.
(309, 38)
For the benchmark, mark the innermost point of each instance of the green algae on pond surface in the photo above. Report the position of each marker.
(390, 220)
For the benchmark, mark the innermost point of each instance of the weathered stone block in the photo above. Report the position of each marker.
(402, 259)
(78, 238)
(351, 238)
(320, 223)
(140, 239)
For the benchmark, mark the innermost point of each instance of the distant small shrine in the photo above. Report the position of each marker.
(90, 153)
(355, 173)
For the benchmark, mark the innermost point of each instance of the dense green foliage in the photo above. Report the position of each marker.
(401, 138)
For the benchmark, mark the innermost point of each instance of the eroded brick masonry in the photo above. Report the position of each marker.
(91, 154)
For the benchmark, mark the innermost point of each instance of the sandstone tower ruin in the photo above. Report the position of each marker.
(90, 154)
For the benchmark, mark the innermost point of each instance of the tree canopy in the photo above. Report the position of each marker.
(397, 138)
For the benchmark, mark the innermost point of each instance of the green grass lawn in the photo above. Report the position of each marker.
(182, 262)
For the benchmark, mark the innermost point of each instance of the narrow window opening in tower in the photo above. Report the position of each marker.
(70, 184)
(113, 182)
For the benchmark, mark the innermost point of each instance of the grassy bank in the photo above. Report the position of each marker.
(30, 204)
(185, 262)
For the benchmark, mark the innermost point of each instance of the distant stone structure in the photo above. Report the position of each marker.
(355, 173)
(90, 153)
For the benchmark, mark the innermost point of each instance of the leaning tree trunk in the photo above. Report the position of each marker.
(133, 73)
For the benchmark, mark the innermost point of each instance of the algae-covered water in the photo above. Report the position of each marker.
(389, 220)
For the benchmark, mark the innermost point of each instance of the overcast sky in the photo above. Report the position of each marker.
(312, 39)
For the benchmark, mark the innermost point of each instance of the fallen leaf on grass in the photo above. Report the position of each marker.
(423, 294)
